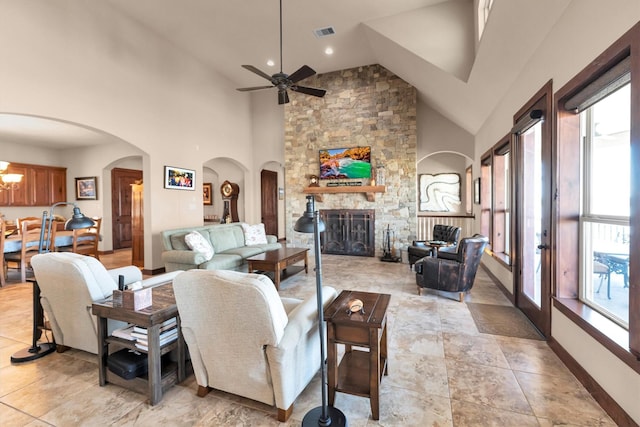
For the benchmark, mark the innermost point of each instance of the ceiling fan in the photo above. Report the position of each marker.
(284, 81)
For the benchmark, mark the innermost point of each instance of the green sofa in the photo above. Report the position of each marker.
(230, 250)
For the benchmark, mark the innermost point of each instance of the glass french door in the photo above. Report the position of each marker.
(533, 195)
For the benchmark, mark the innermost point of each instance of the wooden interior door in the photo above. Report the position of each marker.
(121, 198)
(269, 197)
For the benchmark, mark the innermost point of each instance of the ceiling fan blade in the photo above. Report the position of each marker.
(283, 97)
(246, 89)
(309, 90)
(301, 73)
(258, 72)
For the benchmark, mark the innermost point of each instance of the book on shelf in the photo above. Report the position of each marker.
(124, 333)
(162, 336)
(144, 345)
(167, 324)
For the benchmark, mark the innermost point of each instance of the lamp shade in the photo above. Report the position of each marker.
(78, 220)
(304, 224)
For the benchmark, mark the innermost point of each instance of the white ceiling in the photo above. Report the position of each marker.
(428, 43)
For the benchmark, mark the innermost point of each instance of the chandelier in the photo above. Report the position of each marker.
(8, 181)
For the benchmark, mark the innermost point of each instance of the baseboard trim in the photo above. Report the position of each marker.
(611, 407)
(153, 272)
(511, 297)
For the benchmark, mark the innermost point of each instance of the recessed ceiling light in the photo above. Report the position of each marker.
(328, 51)
(270, 63)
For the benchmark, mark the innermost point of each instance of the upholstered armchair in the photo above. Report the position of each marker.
(69, 284)
(452, 271)
(448, 234)
(246, 340)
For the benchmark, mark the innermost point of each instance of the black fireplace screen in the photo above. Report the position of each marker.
(348, 232)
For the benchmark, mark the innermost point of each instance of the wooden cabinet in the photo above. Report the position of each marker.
(40, 186)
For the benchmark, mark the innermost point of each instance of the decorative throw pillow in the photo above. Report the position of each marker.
(197, 243)
(254, 234)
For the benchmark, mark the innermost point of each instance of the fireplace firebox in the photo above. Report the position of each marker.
(348, 232)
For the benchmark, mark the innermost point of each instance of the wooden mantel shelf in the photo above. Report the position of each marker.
(369, 190)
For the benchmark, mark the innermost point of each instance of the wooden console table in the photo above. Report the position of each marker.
(369, 190)
(159, 377)
(359, 372)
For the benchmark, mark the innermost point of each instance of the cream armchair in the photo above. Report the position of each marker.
(69, 283)
(246, 340)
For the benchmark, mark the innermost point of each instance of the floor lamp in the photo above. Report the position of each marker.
(324, 415)
(77, 220)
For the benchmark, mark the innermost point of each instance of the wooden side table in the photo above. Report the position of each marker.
(359, 372)
(159, 377)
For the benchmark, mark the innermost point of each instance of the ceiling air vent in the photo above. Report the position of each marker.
(324, 32)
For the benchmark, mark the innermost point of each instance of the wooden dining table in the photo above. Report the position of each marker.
(13, 243)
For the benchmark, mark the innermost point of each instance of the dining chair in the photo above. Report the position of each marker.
(34, 222)
(85, 240)
(30, 239)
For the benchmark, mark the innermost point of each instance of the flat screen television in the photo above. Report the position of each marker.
(345, 163)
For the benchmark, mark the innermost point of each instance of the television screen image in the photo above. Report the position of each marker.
(345, 163)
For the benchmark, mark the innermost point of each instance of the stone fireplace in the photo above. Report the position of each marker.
(364, 106)
(348, 232)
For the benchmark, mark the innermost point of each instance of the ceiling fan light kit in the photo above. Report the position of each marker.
(284, 81)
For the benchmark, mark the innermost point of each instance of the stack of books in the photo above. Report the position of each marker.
(168, 333)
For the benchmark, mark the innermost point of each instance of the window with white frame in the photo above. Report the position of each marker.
(604, 221)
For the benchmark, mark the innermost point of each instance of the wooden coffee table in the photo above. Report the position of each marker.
(277, 261)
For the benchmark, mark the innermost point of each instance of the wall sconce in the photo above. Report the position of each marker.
(8, 181)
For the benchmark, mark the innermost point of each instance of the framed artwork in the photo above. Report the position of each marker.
(439, 192)
(476, 191)
(206, 194)
(87, 188)
(179, 178)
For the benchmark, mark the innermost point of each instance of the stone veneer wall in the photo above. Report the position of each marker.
(363, 106)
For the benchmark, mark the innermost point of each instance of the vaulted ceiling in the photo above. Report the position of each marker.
(429, 43)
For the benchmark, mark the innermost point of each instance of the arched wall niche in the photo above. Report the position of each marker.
(445, 162)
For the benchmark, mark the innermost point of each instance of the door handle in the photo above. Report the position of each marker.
(543, 246)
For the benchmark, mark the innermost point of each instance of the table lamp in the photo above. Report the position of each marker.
(77, 220)
(324, 415)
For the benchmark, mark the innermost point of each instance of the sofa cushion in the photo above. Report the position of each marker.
(197, 243)
(226, 237)
(177, 242)
(254, 234)
(245, 251)
(222, 262)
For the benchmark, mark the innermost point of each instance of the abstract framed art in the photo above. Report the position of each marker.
(439, 192)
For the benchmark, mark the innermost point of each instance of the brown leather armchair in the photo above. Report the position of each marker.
(441, 233)
(452, 271)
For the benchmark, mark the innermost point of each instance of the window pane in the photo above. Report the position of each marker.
(609, 186)
(606, 269)
(531, 142)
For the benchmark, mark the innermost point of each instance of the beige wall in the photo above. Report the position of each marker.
(91, 65)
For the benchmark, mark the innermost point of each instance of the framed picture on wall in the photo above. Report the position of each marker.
(439, 192)
(87, 188)
(206, 194)
(476, 191)
(179, 178)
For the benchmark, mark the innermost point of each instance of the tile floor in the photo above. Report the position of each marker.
(442, 371)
